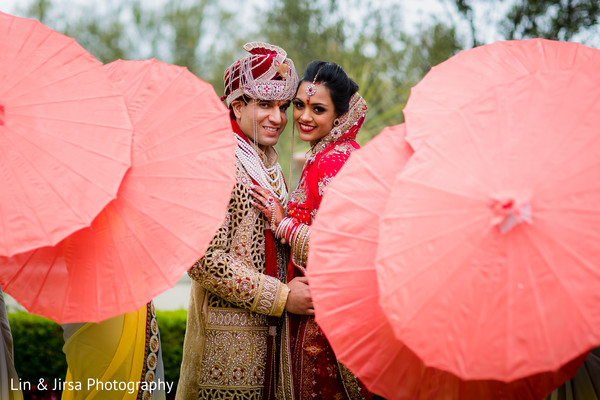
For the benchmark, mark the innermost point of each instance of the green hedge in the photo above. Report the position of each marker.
(172, 332)
(38, 346)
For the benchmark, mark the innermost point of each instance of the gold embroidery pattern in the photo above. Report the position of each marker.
(228, 318)
(265, 303)
(309, 369)
(233, 337)
(234, 262)
(351, 384)
(235, 357)
(323, 183)
(284, 382)
(313, 214)
(299, 195)
(338, 154)
(152, 349)
(237, 394)
(313, 350)
(343, 148)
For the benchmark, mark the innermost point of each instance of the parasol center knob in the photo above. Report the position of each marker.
(2, 116)
(509, 214)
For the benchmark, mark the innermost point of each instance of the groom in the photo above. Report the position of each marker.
(237, 290)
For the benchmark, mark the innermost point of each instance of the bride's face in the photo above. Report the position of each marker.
(314, 118)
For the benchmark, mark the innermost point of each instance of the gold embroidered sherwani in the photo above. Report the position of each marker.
(225, 347)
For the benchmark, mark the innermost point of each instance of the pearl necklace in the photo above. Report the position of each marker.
(269, 178)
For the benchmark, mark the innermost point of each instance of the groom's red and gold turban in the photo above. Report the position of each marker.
(265, 74)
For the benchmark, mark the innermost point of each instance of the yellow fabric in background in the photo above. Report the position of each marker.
(110, 351)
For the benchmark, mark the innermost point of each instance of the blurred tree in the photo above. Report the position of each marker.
(39, 10)
(430, 47)
(189, 35)
(187, 25)
(306, 28)
(465, 8)
(549, 19)
(105, 37)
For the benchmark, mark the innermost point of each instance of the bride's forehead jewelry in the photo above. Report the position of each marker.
(311, 89)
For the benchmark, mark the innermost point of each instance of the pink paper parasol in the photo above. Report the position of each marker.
(475, 72)
(168, 208)
(343, 280)
(490, 240)
(65, 136)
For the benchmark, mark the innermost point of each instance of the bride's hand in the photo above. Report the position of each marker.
(268, 205)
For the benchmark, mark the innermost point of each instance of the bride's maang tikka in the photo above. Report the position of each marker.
(311, 89)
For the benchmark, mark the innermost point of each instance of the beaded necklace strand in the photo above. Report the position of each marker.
(269, 178)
